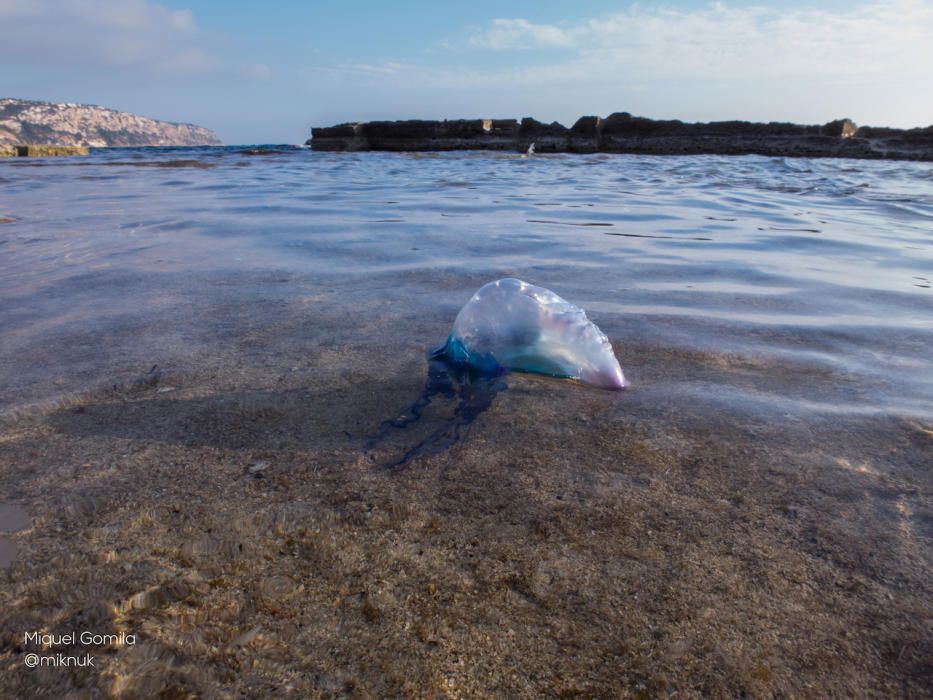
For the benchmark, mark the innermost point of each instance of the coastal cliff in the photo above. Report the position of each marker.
(33, 122)
(623, 133)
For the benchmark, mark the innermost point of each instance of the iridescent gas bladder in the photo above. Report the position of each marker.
(513, 325)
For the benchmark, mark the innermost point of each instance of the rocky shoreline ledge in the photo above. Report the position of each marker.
(623, 133)
(41, 151)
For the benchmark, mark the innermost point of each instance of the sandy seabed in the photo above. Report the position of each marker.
(232, 512)
(200, 350)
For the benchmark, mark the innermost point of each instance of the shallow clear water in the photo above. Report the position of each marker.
(220, 423)
(816, 276)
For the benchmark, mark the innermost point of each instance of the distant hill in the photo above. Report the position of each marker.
(67, 124)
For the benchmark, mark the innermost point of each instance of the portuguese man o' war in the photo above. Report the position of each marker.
(507, 325)
(461, 394)
(513, 325)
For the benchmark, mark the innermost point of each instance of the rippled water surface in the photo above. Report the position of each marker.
(806, 269)
(220, 428)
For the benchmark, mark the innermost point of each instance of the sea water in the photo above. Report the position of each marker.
(221, 421)
(818, 272)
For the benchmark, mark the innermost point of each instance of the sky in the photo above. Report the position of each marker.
(267, 72)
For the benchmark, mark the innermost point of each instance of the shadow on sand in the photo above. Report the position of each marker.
(295, 419)
(473, 393)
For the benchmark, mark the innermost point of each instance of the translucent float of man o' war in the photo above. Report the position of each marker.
(513, 325)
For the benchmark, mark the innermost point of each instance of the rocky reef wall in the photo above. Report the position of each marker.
(623, 133)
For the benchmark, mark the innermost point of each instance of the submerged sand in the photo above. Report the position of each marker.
(198, 360)
(227, 511)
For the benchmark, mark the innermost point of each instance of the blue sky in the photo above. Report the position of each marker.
(265, 72)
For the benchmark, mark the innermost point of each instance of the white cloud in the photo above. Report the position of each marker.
(891, 37)
(134, 34)
(389, 68)
(521, 34)
(871, 61)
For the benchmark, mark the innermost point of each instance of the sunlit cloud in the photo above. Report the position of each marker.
(870, 61)
(871, 38)
(522, 34)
